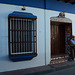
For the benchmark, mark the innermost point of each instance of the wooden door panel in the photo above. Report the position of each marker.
(52, 40)
(56, 39)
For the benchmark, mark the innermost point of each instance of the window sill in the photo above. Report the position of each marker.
(22, 58)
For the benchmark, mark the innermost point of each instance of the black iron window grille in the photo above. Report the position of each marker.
(22, 36)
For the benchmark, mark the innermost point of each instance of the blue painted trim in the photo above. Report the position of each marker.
(44, 4)
(22, 58)
(60, 6)
(22, 14)
(31, 3)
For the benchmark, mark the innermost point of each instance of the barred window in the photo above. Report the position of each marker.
(22, 36)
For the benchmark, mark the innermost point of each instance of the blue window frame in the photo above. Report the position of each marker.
(22, 36)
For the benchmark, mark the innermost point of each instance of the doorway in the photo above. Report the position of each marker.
(60, 37)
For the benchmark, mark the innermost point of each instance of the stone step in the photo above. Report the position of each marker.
(59, 58)
(55, 58)
(59, 61)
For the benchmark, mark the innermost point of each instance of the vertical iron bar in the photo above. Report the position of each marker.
(24, 34)
(20, 35)
(27, 36)
(33, 38)
(9, 21)
(12, 36)
(35, 23)
(16, 34)
(30, 35)
(28, 39)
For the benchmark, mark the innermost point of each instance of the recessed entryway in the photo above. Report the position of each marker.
(61, 33)
(60, 37)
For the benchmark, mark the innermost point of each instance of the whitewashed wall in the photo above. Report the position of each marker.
(5, 63)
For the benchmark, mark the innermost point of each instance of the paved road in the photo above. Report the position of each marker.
(69, 71)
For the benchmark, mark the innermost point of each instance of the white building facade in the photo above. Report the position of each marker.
(43, 36)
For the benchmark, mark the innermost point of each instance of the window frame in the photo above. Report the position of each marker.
(16, 55)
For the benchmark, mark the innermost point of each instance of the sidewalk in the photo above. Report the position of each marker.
(42, 69)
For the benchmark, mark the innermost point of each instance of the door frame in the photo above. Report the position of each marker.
(56, 23)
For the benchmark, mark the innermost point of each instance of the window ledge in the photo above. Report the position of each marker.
(22, 58)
